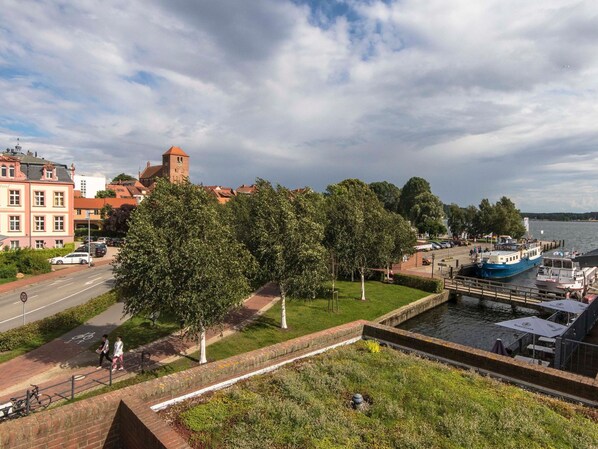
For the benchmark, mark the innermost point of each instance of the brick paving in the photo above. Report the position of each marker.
(58, 360)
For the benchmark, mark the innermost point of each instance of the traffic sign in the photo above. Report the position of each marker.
(23, 297)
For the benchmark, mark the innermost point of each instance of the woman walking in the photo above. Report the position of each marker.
(103, 351)
(118, 354)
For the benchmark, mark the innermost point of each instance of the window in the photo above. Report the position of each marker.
(14, 197)
(58, 199)
(84, 188)
(14, 223)
(39, 198)
(49, 174)
(96, 211)
(40, 223)
(39, 244)
(59, 223)
(78, 212)
(14, 244)
(58, 243)
(11, 171)
(4, 171)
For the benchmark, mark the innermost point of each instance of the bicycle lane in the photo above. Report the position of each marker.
(70, 350)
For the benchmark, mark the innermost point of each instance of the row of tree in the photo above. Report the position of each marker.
(188, 256)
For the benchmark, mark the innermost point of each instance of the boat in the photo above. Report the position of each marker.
(561, 273)
(509, 258)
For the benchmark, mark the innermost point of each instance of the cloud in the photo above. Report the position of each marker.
(481, 99)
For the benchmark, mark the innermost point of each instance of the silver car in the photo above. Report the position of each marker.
(72, 258)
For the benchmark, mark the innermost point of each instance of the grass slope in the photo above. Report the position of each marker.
(413, 403)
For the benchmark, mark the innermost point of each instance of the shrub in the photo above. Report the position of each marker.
(420, 283)
(8, 271)
(373, 346)
(39, 332)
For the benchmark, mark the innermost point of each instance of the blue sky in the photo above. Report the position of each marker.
(482, 99)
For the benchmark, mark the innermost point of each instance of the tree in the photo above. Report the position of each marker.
(123, 177)
(356, 225)
(412, 188)
(181, 258)
(388, 194)
(399, 239)
(106, 194)
(285, 238)
(456, 220)
(426, 214)
(117, 219)
(502, 218)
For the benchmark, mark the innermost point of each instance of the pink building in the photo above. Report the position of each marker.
(36, 201)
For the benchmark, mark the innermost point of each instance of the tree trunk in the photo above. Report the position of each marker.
(362, 273)
(202, 346)
(283, 309)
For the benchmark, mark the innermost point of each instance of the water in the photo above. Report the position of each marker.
(470, 321)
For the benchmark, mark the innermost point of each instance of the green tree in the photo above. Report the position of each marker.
(426, 214)
(388, 194)
(356, 225)
(399, 239)
(285, 236)
(181, 257)
(412, 188)
(123, 177)
(456, 220)
(507, 219)
(117, 219)
(106, 194)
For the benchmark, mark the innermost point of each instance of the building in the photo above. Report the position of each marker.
(36, 201)
(222, 194)
(129, 189)
(174, 168)
(89, 186)
(95, 206)
(245, 190)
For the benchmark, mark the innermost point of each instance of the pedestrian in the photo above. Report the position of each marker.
(117, 355)
(103, 351)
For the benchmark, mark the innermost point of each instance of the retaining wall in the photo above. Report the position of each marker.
(409, 311)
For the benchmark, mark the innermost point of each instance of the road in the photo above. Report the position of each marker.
(53, 296)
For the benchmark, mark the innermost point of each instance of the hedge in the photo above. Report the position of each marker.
(426, 284)
(29, 261)
(33, 335)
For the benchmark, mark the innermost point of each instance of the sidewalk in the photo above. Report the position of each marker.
(69, 355)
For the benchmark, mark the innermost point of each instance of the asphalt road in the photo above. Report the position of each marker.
(50, 297)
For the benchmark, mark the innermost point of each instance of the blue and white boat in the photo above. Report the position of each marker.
(508, 259)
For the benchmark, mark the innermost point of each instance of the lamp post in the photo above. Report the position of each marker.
(433, 257)
(89, 237)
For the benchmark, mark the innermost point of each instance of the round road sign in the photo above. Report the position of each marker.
(23, 297)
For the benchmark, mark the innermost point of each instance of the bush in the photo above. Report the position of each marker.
(8, 271)
(31, 261)
(40, 332)
(420, 283)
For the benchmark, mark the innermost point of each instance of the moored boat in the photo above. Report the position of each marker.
(509, 258)
(561, 273)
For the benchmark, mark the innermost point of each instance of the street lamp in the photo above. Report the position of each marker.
(89, 237)
(433, 257)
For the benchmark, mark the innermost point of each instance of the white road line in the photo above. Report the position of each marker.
(47, 305)
(64, 285)
(19, 301)
(57, 281)
(93, 279)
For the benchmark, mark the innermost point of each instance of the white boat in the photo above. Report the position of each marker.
(560, 273)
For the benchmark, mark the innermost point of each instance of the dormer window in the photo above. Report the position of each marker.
(49, 173)
(4, 171)
(11, 171)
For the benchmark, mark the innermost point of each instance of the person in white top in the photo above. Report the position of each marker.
(118, 354)
(103, 351)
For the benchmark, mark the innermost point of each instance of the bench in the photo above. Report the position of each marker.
(531, 361)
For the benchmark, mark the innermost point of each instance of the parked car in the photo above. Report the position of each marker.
(93, 239)
(97, 249)
(114, 241)
(435, 245)
(72, 258)
(103, 240)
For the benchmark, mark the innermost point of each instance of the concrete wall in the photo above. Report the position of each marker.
(409, 311)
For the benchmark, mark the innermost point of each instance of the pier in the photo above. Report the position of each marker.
(515, 295)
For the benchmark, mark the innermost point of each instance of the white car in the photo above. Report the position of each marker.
(81, 258)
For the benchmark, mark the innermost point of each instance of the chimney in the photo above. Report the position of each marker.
(148, 164)
(72, 171)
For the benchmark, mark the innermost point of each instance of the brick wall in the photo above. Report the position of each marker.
(549, 378)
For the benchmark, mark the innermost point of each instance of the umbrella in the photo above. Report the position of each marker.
(535, 326)
(499, 348)
(565, 305)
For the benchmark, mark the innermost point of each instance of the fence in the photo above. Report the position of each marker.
(68, 389)
(568, 346)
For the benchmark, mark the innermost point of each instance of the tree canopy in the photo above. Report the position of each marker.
(117, 219)
(182, 258)
(388, 194)
(123, 177)
(106, 194)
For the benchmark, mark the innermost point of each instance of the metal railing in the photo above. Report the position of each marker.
(485, 288)
(23, 405)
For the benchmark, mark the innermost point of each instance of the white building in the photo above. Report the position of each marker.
(89, 185)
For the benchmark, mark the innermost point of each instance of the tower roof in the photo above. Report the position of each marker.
(175, 151)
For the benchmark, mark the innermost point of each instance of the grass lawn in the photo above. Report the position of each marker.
(306, 317)
(303, 317)
(411, 403)
(138, 331)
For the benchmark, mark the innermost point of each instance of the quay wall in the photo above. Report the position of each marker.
(409, 311)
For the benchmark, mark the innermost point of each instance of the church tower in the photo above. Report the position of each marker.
(175, 165)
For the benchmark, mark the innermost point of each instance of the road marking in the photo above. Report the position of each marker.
(93, 280)
(64, 285)
(47, 305)
(19, 301)
(57, 281)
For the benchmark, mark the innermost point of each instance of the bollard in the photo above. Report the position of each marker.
(110, 376)
(72, 387)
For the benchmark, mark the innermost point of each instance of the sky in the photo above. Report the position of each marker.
(482, 99)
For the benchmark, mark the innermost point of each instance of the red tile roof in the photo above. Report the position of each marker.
(246, 189)
(150, 172)
(98, 203)
(175, 151)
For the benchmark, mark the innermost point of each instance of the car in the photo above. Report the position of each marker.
(435, 245)
(93, 239)
(72, 258)
(114, 241)
(97, 249)
(426, 261)
(103, 240)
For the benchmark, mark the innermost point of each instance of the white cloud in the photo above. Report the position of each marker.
(482, 99)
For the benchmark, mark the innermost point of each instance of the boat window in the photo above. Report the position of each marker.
(567, 264)
(548, 262)
(557, 264)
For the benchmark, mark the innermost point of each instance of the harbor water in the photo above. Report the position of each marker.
(470, 322)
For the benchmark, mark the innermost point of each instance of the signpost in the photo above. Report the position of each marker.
(23, 300)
